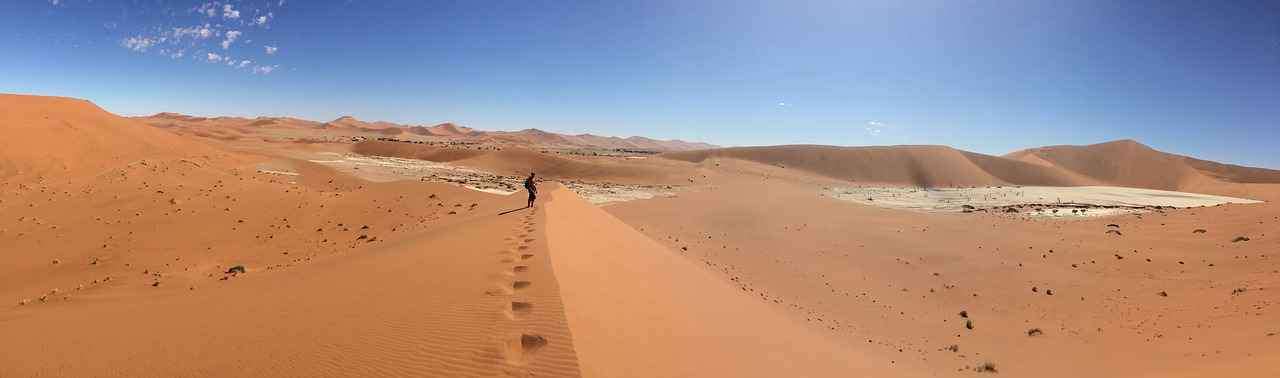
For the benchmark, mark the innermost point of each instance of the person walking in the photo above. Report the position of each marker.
(531, 184)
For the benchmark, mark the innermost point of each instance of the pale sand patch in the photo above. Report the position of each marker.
(1095, 200)
(383, 169)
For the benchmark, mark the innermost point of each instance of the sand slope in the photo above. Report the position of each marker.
(921, 166)
(56, 137)
(473, 295)
(1132, 164)
(638, 309)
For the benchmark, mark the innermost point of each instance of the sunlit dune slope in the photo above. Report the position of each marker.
(1132, 164)
(927, 166)
(53, 137)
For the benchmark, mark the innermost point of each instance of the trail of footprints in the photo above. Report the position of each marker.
(519, 348)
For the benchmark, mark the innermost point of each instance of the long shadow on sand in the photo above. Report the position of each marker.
(511, 211)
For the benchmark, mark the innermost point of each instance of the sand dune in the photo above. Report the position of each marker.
(119, 241)
(920, 166)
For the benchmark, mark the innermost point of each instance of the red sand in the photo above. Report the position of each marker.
(752, 271)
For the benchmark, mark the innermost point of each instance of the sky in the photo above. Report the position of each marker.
(1195, 78)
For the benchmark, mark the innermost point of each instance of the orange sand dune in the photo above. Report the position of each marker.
(923, 166)
(1132, 164)
(55, 138)
(118, 239)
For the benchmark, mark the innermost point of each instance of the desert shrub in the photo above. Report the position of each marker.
(989, 367)
(954, 348)
(968, 324)
(1199, 231)
(1114, 232)
(1239, 239)
(964, 314)
(1034, 332)
(1163, 294)
(239, 268)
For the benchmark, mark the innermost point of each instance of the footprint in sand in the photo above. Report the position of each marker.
(520, 348)
(508, 259)
(528, 240)
(517, 286)
(526, 256)
(517, 310)
(518, 269)
(521, 248)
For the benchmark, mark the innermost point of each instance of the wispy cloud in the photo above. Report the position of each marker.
(138, 43)
(231, 37)
(177, 55)
(55, 2)
(873, 131)
(784, 104)
(272, 49)
(229, 13)
(214, 57)
(243, 64)
(264, 69)
(262, 20)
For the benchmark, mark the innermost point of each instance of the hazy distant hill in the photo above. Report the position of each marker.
(441, 132)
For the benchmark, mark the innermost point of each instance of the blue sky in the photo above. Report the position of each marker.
(1195, 78)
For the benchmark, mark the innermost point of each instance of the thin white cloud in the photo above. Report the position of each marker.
(231, 37)
(55, 2)
(195, 32)
(262, 20)
(873, 131)
(177, 55)
(264, 69)
(784, 104)
(272, 49)
(229, 13)
(208, 9)
(243, 64)
(139, 43)
(876, 124)
(214, 57)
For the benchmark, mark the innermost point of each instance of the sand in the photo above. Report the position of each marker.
(377, 259)
(1096, 201)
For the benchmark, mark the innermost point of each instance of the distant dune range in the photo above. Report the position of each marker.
(118, 242)
(1123, 163)
(446, 132)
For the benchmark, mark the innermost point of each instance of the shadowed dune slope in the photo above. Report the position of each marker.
(928, 166)
(1132, 164)
(56, 135)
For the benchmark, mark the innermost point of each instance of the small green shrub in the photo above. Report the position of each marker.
(239, 268)
(989, 367)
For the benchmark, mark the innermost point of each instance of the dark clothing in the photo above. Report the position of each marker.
(532, 187)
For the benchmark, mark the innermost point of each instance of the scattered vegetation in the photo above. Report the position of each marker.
(1163, 294)
(1239, 239)
(964, 314)
(1199, 231)
(239, 268)
(56, 262)
(1238, 291)
(1113, 225)
(1048, 292)
(1114, 232)
(968, 324)
(1034, 332)
(1118, 257)
(954, 348)
(989, 367)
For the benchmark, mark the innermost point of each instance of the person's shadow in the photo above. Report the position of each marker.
(512, 211)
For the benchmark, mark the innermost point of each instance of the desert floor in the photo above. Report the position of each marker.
(119, 260)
